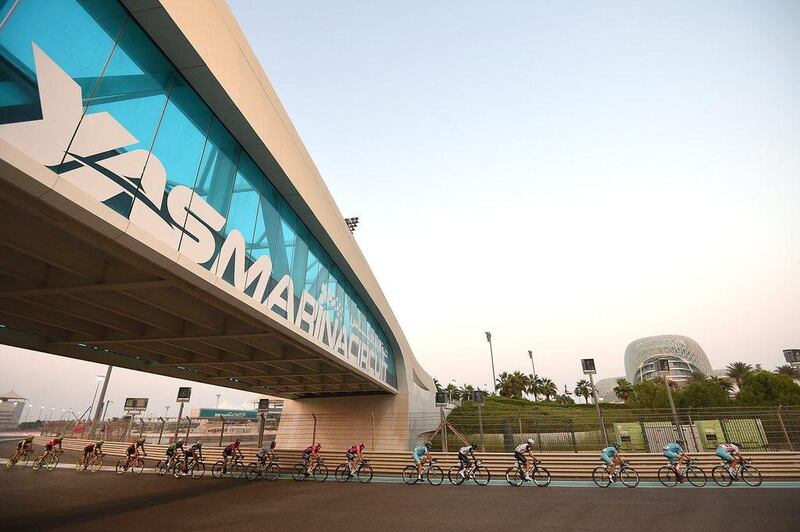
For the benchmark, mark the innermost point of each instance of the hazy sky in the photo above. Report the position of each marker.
(569, 175)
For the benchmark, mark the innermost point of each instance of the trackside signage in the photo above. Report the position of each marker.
(207, 413)
(97, 163)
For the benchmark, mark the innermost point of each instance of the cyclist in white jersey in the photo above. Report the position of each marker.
(464, 455)
(519, 454)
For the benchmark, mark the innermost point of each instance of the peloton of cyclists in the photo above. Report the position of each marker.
(131, 450)
(311, 456)
(522, 460)
(464, 454)
(420, 455)
(228, 452)
(266, 453)
(92, 450)
(730, 454)
(610, 456)
(193, 452)
(51, 445)
(675, 455)
(354, 456)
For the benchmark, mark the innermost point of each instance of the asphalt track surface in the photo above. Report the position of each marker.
(66, 500)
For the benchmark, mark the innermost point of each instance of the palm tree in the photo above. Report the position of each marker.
(660, 381)
(465, 392)
(583, 388)
(452, 391)
(437, 384)
(504, 384)
(788, 370)
(698, 375)
(722, 383)
(535, 386)
(623, 390)
(548, 388)
(737, 370)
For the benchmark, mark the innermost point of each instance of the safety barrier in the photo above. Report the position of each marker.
(773, 465)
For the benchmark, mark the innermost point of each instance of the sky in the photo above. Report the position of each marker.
(570, 176)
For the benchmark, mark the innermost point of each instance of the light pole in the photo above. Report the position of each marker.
(88, 413)
(41, 410)
(100, 402)
(663, 369)
(533, 374)
(26, 414)
(166, 411)
(589, 369)
(491, 354)
(105, 410)
(218, 396)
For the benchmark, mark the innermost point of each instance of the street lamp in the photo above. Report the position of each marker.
(41, 409)
(589, 369)
(533, 373)
(94, 397)
(663, 369)
(26, 413)
(105, 410)
(491, 354)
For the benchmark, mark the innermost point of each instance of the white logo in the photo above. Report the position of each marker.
(90, 161)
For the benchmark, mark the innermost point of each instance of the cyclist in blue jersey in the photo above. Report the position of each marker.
(675, 454)
(421, 454)
(610, 455)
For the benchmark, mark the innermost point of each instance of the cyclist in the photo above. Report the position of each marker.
(266, 453)
(312, 451)
(92, 450)
(464, 455)
(228, 452)
(194, 452)
(172, 449)
(51, 445)
(354, 456)
(522, 461)
(675, 454)
(24, 445)
(610, 455)
(729, 452)
(421, 454)
(138, 444)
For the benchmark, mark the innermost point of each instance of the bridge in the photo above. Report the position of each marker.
(159, 212)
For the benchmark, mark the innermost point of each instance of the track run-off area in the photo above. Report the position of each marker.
(65, 499)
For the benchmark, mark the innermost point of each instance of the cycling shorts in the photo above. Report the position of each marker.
(672, 456)
(520, 457)
(350, 456)
(48, 447)
(606, 458)
(170, 452)
(416, 457)
(306, 456)
(188, 454)
(87, 450)
(725, 455)
(130, 451)
(227, 452)
(464, 459)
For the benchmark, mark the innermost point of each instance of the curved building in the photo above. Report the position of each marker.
(684, 354)
(159, 212)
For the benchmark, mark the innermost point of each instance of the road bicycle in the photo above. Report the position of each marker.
(478, 473)
(515, 475)
(269, 470)
(625, 473)
(745, 471)
(19, 458)
(165, 464)
(133, 463)
(669, 475)
(93, 464)
(363, 472)
(235, 468)
(430, 471)
(195, 468)
(319, 472)
(49, 461)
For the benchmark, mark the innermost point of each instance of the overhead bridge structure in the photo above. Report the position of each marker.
(159, 212)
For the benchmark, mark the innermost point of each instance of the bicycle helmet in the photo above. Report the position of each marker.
(236, 441)
(180, 442)
(473, 445)
(199, 444)
(100, 443)
(530, 441)
(428, 444)
(615, 445)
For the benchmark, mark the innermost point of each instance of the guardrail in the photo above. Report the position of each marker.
(773, 465)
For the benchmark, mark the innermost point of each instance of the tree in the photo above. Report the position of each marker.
(465, 392)
(548, 388)
(725, 385)
(737, 371)
(649, 394)
(583, 388)
(788, 370)
(623, 390)
(761, 388)
(438, 385)
(452, 391)
(698, 375)
(535, 386)
(564, 399)
(512, 384)
(698, 393)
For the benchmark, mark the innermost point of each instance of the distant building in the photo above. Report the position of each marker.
(11, 407)
(792, 357)
(684, 354)
(605, 390)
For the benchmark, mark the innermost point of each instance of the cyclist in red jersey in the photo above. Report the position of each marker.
(228, 452)
(312, 451)
(51, 445)
(354, 455)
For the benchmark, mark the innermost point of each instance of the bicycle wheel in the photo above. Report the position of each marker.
(721, 476)
(514, 476)
(52, 462)
(410, 474)
(481, 476)
(272, 472)
(120, 468)
(320, 472)
(217, 470)
(161, 468)
(137, 466)
(23, 460)
(78, 464)
(198, 470)
(236, 470)
(667, 476)
(364, 475)
(601, 476)
(342, 473)
(37, 464)
(751, 475)
(454, 475)
(177, 468)
(435, 475)
(629, 476)
(299, 472)
(251, 472)
(696, 476)
(96, 465)
(541, 477)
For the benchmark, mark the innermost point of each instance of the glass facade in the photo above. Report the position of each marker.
(143, 143)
